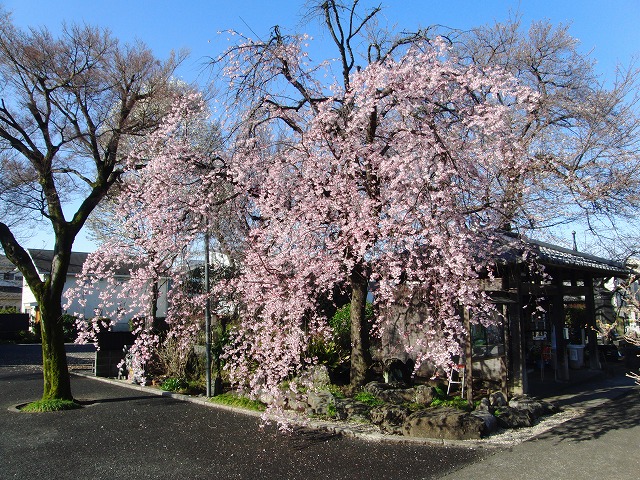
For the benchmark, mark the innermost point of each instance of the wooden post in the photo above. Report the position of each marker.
(468, 352)
(504, 372)
(557, 312)
(514, 339)
(592, 335)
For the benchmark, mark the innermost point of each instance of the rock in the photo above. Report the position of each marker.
(538, 408)
(444, 423)
(490, 421)
(398, 396)
(397, 385)
(498, 399)
(319, 402)
(509, 417)
(484, 405)
(347, 409)
(294, 401)
(375, 388)
(318, 376)
(423, 395)
(389, 418)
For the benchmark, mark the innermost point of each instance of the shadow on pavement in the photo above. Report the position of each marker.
(302, 438)
(88, 403)
(618, 414)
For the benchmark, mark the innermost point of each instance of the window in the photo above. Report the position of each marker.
(487, 341)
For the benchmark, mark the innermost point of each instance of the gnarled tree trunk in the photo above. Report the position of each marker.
(361, 360)
(54, 358)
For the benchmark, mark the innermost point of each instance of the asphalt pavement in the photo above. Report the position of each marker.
(603, 443)
(134, 434)
(130, 434)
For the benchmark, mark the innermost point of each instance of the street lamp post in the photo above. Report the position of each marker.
(207, 312)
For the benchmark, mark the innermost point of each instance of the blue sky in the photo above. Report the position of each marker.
(609, 30)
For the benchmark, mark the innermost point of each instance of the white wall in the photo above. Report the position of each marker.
(92, 302)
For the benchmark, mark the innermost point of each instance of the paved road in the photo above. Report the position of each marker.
(603, 444)
(126, 434)
(79, 357)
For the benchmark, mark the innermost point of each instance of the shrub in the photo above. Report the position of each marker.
(173, 356)
(335, 391)
(69, 328)
(455, 402)
(25, 336)
(336, 350)
(173, 384)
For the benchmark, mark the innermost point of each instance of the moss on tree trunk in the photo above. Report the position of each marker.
(57, 384)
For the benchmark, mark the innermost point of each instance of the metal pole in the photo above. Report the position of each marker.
(207, 311)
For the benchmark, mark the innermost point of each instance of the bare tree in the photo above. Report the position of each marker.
(68, 105)
(584, 137)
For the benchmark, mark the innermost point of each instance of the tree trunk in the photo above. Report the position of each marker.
(361, 360)
(54, 358)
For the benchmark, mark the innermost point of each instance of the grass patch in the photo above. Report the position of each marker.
(414, 407)
(52, 405)
(455, 402)
(233, 400)
(368, 399)
(335, 391)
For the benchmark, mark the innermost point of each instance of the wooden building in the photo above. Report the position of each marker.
(549, 322)
(546, 326)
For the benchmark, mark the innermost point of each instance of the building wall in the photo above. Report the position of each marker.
(92, 303)
(10, 300)
(10, 285)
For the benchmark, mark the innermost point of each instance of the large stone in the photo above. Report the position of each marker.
(538, 408)
(390, 418)
(498, 399)
(398, 396)
(375, 388)
(444, 423)
(424, 394)
(318, 376)
(509, 417)
(294, 401)
(490, 421)
(319, 402)
(347, 409)
(484, 405)
(399, 393)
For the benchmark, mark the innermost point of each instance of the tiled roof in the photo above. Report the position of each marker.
(43, 258)
(554, 255)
